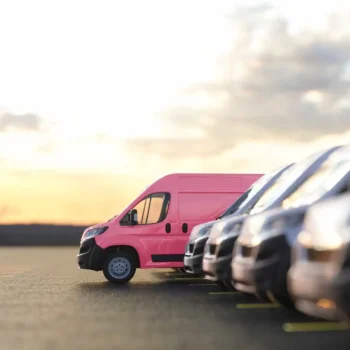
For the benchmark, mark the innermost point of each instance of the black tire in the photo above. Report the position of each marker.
(221, 284)
(128, 258)
(285, 301)
(228, 285)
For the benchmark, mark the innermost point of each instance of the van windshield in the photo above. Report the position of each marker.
(233, 208)
(283, 182)
(250, 193)
(317, 185)
(258, 185)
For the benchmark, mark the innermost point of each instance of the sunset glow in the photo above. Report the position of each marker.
(100, 98)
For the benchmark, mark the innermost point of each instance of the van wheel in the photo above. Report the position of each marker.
(119, 267)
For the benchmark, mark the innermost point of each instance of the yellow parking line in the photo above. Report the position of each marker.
(12, 270)
(188, 278)
(6, 276)
(203, 284)
(258, 306)
(315, 327)
(224, 293)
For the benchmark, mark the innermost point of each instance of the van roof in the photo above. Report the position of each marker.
(198, 181)
(173, 175)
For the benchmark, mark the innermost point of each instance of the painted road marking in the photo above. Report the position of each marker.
(258, 306)
(8, 275)
(315, 327)
(203, 284)
(188, 279)
(13, 269)
(224, 293)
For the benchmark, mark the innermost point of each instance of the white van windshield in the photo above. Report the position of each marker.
(234, 207)
(317, 185)
(258, 185)
(285, 181)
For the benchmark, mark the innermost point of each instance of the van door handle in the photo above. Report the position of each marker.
(167, 228)
(184, 228)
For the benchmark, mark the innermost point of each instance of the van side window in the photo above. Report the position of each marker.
(152, 209)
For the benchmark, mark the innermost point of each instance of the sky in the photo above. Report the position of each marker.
(100, 98)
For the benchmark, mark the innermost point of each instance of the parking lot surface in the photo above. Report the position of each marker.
(47, 303)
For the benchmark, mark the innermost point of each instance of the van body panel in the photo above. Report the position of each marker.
(175, 203)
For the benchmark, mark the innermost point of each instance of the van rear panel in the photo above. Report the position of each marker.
(211, 183)
(201, 206)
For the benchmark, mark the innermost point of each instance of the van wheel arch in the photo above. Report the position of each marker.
(126, 249)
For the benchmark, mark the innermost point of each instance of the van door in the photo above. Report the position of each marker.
(157, 229)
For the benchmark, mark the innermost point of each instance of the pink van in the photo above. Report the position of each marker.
(152, 231)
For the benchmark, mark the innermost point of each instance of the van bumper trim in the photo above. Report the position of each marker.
(167, 257)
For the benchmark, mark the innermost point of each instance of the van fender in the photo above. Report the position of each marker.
(123, 242)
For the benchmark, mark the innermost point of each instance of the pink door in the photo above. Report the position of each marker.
(157, 229)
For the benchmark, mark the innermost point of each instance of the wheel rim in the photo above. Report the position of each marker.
(119, 267)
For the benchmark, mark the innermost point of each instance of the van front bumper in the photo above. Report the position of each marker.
(194, 256)
(317, 292)
(90, 256)
(217, 269)
(243, 274)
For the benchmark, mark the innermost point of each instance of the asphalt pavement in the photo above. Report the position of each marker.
(48, 303)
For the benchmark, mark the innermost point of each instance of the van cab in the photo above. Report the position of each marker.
(200, 233)
(152, 231)
(263, 251)
(223, 235)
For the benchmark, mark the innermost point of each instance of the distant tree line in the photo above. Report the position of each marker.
(40, 235)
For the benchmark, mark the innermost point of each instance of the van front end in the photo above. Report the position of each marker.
(91, 256)
(262, 254)
(217, 258)
(316, 289)
(218, 250)
(319, 278)
(194, 256)
(103, 249)
(195, 248)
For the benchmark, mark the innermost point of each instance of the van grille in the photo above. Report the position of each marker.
(190, 247)
(212, 249)
(320, 255)
(246, 251)
(225, 251)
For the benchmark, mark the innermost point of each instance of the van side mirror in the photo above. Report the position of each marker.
(133, 217)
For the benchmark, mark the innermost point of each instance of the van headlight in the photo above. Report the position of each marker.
(250, 230)
(326, 225)
(94, 232)
(264, 228)
(320, 240)
(216, 230)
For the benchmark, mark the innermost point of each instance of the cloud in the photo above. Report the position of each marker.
(275, 86)
(27, 121)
